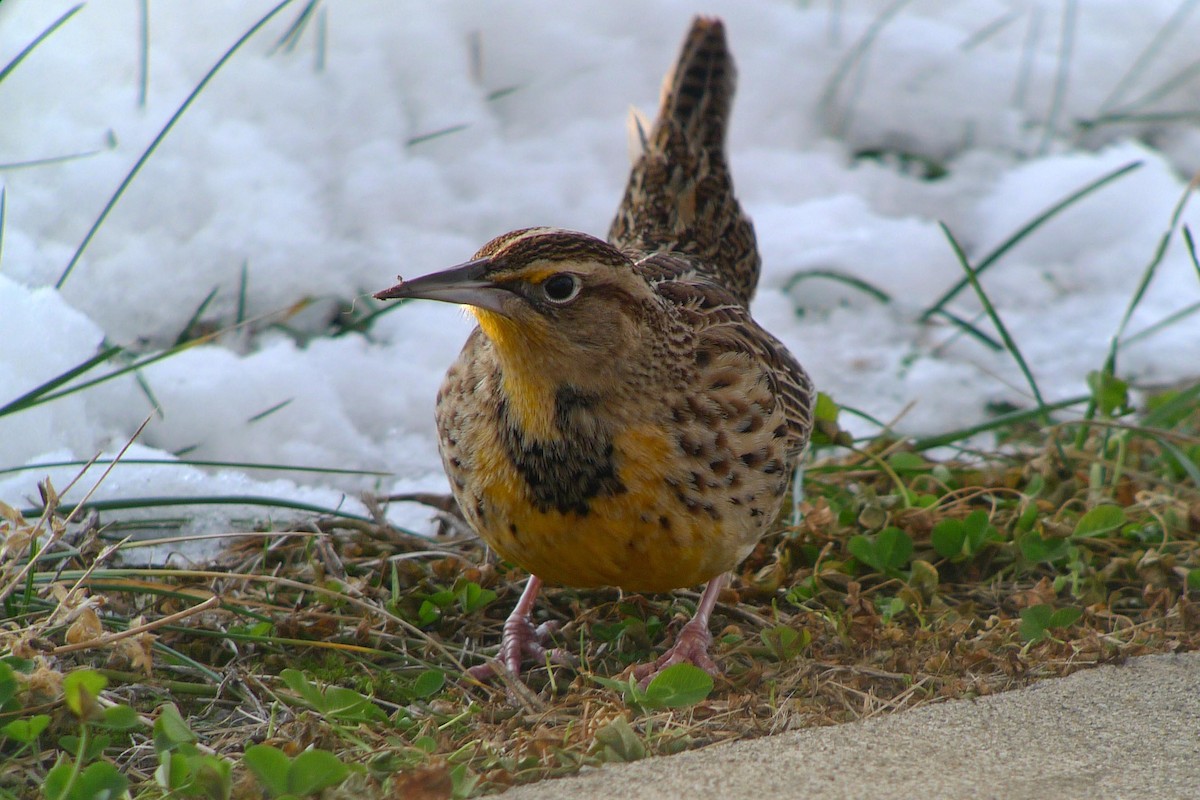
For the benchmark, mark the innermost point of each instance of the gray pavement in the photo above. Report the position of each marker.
(1131, 731)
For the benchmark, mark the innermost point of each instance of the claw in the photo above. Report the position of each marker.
(691, 647)
(522, 641)
(692, 643)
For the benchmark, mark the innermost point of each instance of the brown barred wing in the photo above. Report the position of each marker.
(722, 324)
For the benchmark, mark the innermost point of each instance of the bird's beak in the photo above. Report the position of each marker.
(462, 284)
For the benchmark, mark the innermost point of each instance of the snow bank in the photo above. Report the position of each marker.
(392, 139)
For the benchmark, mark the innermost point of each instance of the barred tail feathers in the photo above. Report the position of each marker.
(680, 195)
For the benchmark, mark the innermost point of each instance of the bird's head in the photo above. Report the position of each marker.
(546, 293)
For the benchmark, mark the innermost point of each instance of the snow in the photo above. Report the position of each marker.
(313, 170)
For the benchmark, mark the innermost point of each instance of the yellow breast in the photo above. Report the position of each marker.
(643, 538)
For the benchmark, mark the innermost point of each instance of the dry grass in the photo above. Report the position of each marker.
(809, 634)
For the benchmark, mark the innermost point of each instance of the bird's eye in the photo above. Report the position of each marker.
(561, 288)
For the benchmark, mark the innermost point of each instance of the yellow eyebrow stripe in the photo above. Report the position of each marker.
(535, 276)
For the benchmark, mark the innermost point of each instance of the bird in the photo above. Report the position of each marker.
(617, 418)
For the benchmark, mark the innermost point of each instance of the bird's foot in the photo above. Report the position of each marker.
(522, 642)
(691, 647)
(692, 643)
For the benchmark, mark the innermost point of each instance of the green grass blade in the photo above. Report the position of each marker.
(1009, 344)
(291, 37)
(187, 660)
(162, 134)
(148, 393)
(863, 415)
(1035, 223)
(1180, 79)
(989, 30)
(185, 334)
(266, 412)
(110, 143)
(1110, 360)
(1185, 463)
(321, 51)
(842, 278)
(1148, 273)
(1029, 50)
(41, 37)
(1165, 322)
(143, 51)
(854, 58)
(1148, 118)
(1191, 248)
(243, 288)
(39, 394)
(134, 503)
(125, 370)
(1171, 409)
(3, 211)
(440, 132)
(1153, 49)
(996, 423)
(972, 330)
(1066, 46)
(500, 94)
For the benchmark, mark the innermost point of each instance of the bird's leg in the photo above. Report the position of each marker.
(692, 643)
(521, 640)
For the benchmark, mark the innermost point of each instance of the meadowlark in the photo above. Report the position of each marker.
(617, 418)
